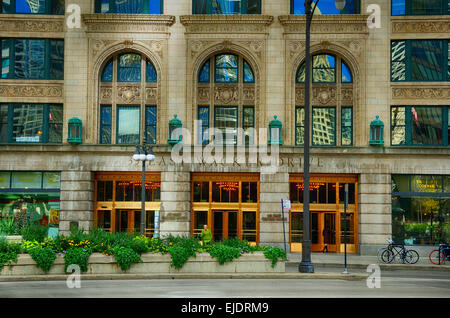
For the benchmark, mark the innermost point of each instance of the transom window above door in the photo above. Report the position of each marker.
(226, 100)
(128, 99)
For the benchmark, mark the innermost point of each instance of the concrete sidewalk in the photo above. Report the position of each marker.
(362, 261)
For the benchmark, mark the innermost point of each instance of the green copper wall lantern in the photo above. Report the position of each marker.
(175, 135)
(74, 131)
(275, 132)
(376, 132)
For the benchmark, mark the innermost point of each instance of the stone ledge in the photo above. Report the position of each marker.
(152, 264)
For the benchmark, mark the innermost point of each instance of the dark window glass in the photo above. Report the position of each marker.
(226, 120)
(4, 122)
(331, 187)
(104, 190)
(105, 124)
(55, 123)
(226, 6)
(150, 124)
(248, 124)
(326, 7)
(56, 59)
(324, 68)
(33, 7)
(29, 59)
(128, 124)
(204, 76)
(351, 193)
(225, 191)
(201, 191)
(426, 124)
(129, 68)
(226, 68)
(104, 220)
(420, 7)
(347, 126)
(400, 183)
(28, 122)
(324, 126)
(150, 73)
(203, 116)
(107, 73)
(248, 73)
(200, 219)
(6, 51)
(129, 6)
(249, 192)
(296, 227)
(299, 125)
(249, 226)
(426, 60)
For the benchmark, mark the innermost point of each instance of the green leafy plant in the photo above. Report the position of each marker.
(27, 246)
(125, 256)
(8, 252)
(224, 253)
(78, 256)
(274, 253)
(43, 256)
(157, 245)
(34, 232)
(140, 244)
(180, 255)
(8, 226)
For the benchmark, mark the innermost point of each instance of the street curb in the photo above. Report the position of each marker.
(189, 276)
(413, 267)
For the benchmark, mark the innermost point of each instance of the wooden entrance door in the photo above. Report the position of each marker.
(225, 225)
(323, 231)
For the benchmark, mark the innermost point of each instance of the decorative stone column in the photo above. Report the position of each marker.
(375, 212)
(77, 200)
(175, 203)
(273, 188)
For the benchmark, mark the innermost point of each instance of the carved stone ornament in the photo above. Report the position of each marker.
(129, 94)
(420, 93)
(241, 24)
(136, 23)
(248, 94)
(31, 90)
(203, 94)
(420, 25)
(226, 94)
(30, 23)
(330, 24)
(106, 93)
(324, 95)
(151, 94)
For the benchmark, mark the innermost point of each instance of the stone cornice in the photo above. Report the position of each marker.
(331, 24)
(31, 89)
(420, 93)
(207, 23)
(128, 23)
(420, 24)
(32, 23)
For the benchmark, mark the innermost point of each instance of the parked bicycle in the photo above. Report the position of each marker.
(398, 251)
(440, 255)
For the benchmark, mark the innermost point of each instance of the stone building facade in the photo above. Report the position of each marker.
(177, 43)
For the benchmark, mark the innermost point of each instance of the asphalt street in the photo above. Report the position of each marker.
(392, 284)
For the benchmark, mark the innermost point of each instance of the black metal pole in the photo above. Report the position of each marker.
(305, 265)
(284, 231)
(143, 198)
(345, 229)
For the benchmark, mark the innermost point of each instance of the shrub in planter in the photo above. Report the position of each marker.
(140, 244)
(224, 253)
(43, 256)
(156, 245)
(180, 255)
(27, 246)
(274, 253)
(125, 256)
(78, 256)
(34, 232)
(8, 252)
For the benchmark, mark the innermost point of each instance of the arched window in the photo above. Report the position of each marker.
(129, 6)
(331, 101)
(128, 104)
(225, 82)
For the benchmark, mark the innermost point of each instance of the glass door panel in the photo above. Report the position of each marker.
(232, 224)
(249, 226)
(329, 229)
(315, 228)
(218, 226)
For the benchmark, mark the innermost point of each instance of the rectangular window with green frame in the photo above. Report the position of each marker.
(226, 6)
(32, 58)
(347, 126)
(226, 121)
(56, 7)
(105, 124)
(420, 126)
(203, 117)
(151, 119)
(31, 123)
(248, 125)
(299, 125)
(420, 60)
(420, 7)
(128, 125)
(129, 6)
(323, 126)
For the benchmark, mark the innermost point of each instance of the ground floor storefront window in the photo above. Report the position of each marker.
(421, 209)
(227, 203)
(31, 197)
(117, 206)
(328, 227)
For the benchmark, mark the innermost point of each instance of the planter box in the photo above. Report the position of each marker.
(151, 264)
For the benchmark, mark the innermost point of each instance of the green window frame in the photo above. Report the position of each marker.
(203, 116)
(53, 7)
(346, 126)
(44, 123)
(321, 130)
(407, 122)
(213, 7)
(45, 63)
(105, 124)
(420, 60)
(151, 119)
(299, 125)
(229, 113)
(248, 122)
(130, 122)
(110, 6)
(430, 7)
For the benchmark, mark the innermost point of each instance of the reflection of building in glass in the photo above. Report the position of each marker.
(28, 121)
(323, 126)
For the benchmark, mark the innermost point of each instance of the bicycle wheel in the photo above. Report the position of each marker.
(434, 257)
(411, 256)
(380, 252)
(387, 256)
